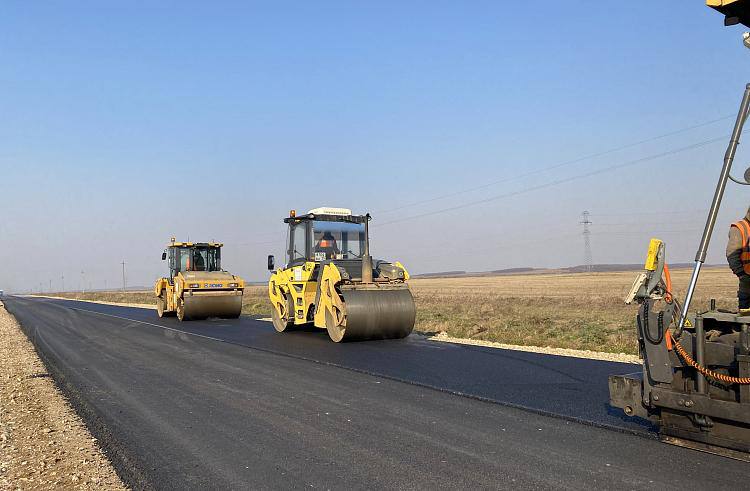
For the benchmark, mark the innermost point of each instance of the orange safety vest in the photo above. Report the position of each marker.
(744, 227)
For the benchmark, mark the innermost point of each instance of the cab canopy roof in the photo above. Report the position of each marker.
(734, 10)
(327, 213)
(327, 210)
(195, 244)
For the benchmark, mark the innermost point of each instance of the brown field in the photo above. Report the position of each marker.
(578, 311)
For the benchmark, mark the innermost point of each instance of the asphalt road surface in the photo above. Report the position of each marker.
(235, 405)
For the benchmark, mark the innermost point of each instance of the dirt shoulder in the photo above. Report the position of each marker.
(545, 350)
(43, 442)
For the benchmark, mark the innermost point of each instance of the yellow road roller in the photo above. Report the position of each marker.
(197, 287)
(331, 281)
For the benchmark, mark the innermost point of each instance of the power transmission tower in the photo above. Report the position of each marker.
(123, 275)
(62, 280)
(83, 282)
(587, 259)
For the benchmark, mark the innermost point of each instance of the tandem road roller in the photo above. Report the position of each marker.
(197, 287)
(331, 281)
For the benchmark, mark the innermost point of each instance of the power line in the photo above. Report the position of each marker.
(558, 181)
(663, 212)
(646, 223)
(557, 165)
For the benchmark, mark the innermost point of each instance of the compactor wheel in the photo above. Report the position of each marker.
(333, 325)
(281, 324)
(180, 309)
(160, 305)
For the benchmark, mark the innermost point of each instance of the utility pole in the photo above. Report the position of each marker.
(50, 286)
(123, 275)
(62, 280)
(587, 259)
(83, 282)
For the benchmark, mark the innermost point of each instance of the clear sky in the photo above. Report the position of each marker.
(124, 125)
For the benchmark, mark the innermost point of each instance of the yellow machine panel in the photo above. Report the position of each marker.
(651, 257)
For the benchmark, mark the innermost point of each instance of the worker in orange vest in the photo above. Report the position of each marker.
(738, 257)
(327, 244)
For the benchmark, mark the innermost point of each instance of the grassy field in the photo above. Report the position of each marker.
(579, 311)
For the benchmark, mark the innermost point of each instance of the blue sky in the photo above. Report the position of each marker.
(127, 124)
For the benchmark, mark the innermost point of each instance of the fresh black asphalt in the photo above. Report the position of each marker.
(233, 404)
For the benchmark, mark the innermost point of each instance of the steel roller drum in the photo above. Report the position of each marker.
(378, 314)
(227, 305)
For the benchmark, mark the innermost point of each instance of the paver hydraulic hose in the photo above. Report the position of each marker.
(705, 371)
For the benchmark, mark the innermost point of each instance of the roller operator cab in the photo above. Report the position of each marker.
(197, 287)
(331, 281)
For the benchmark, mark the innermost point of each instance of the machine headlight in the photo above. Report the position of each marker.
(233, 285)
(194, 285)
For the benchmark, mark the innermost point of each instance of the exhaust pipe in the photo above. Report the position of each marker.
(366, 258)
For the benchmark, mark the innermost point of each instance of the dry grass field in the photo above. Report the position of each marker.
(578, 311)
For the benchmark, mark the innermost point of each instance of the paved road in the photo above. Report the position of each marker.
(232, 404)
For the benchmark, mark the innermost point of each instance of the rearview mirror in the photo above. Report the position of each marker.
(271, 262)
(163, 255)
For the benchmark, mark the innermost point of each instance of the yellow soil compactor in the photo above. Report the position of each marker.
(197, 287)
(331, 281)
(695, 382)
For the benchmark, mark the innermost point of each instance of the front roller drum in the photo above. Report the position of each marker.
(374, 314)
(195, 307)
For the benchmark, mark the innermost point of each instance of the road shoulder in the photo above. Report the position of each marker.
(546, 350)
(44, 444)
